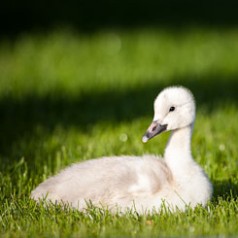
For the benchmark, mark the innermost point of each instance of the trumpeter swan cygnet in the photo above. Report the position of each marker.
(142, 183)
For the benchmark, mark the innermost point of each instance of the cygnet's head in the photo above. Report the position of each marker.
(174, 108)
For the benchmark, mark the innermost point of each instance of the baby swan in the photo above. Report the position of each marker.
(140, 183)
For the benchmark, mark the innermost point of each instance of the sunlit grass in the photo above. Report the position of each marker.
(73, 63)
(67, 97)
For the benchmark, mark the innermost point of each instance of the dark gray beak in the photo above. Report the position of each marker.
(154, 129)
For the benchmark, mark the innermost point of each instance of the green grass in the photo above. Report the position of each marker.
(67, 97)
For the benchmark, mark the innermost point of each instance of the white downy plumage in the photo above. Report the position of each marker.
(139, 183)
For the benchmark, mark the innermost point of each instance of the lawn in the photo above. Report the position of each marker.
(67, 97)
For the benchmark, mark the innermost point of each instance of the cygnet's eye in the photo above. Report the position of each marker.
(172, 109)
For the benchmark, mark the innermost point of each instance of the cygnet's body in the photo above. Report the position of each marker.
(140, 183)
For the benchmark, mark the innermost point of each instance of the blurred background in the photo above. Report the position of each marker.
(72, 69)
(21, 16)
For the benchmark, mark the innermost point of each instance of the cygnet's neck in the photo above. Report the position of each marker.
(178, 149)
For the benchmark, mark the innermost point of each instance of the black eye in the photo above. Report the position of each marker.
(172, 109)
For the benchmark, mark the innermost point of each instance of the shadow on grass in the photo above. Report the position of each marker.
(20, 117)
(225, 189)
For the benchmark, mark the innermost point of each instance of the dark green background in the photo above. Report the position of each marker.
(90, 15)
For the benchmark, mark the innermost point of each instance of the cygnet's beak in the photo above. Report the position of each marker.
(154, 129)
